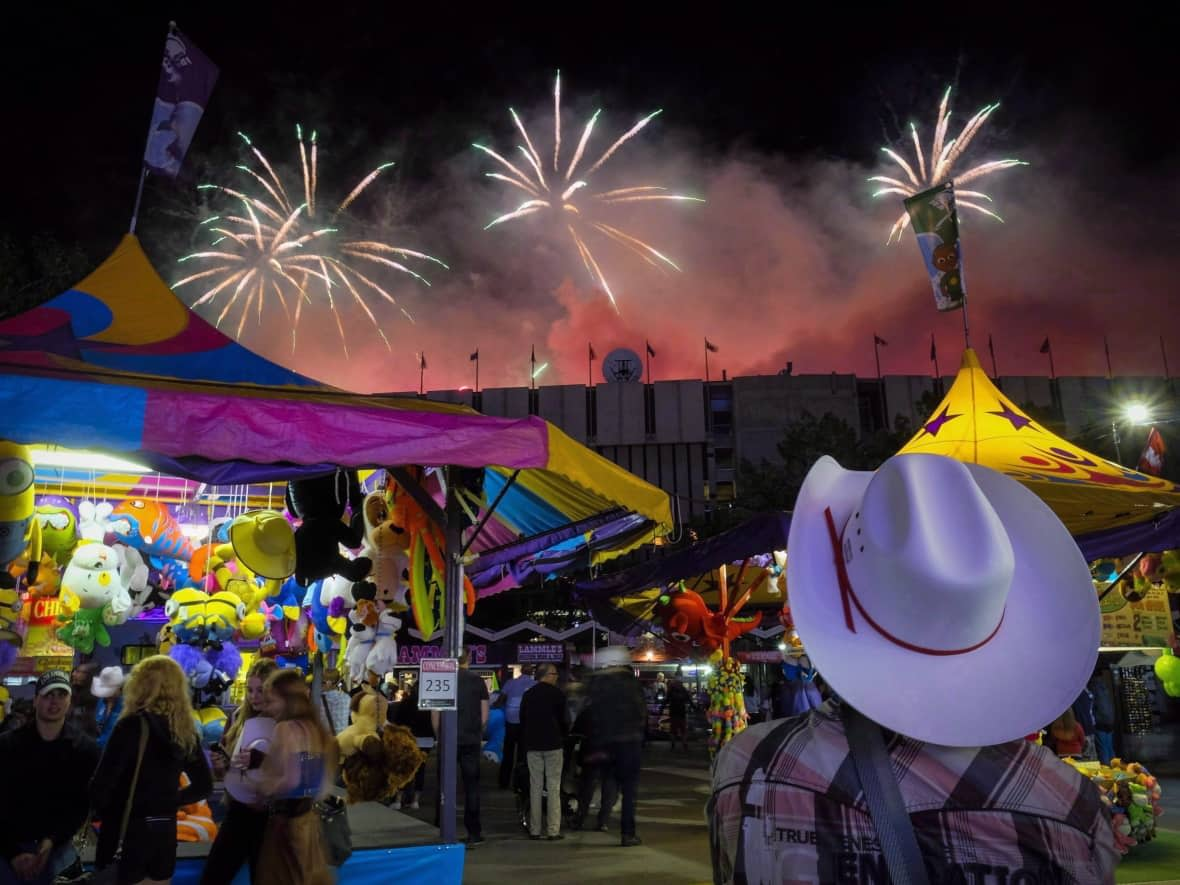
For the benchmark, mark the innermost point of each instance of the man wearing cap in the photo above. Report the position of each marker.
(48, 765)
(920, 592)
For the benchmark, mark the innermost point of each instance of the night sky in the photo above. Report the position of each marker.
(775, 119)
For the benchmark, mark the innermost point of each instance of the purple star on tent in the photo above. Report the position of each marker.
(1012, 415)
(935, 424)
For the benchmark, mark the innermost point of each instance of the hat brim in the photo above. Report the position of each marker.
(1025, 676)
(272, 566)
(57, 686)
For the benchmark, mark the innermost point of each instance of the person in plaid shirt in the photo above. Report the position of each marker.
(921, 592)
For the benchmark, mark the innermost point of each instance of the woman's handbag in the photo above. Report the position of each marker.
(109, 875)
(337, 832)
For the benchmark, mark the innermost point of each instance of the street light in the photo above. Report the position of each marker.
(1133, 413)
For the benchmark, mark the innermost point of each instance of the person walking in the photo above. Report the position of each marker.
(618, 719)
(543, 727)
(420, 725)
(107, 688)
(678, 701)
(472, 704)
(1104, 717)
(240, 834)
(83, 703)
(513, 690)
(44, 787)
(298, 768)
(920, 589)
(154, 741)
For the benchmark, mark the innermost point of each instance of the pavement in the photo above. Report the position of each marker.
(670, 819)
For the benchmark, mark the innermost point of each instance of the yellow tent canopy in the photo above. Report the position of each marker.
(975, 422)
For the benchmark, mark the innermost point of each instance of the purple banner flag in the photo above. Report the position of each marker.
(186, 81)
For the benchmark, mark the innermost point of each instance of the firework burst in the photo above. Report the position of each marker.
(941, 165)
(279, 252)
(563, 190)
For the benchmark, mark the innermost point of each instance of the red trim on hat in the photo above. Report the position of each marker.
(848, 598)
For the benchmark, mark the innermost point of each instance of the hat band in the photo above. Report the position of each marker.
(848, 598)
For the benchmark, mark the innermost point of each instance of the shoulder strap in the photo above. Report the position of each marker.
(327, 712)
(761, 757)
(143, 739)
(899, 844)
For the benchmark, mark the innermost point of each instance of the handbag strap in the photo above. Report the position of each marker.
(143, 739)
(328, 713)
(899, 843)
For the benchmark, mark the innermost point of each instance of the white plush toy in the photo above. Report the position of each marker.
(94, 520)
(94, 595)
(385, 544)
(360, 643)
(383, 656)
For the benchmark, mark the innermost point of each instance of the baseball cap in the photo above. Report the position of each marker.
(51, 680)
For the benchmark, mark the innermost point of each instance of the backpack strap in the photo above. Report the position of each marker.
(764, 752)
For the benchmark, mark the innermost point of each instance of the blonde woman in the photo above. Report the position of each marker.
(240, 834)
(155, 700)
(297, 770)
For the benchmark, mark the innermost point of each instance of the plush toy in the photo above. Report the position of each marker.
(194, 823)
(149, 526)
(19, 529)
(727, 706)
(376, 765)
(360, 642)
(59, 527)
(223, 616)
(1167, 670)
(212, 722)
(94, 596)
(48, 581)
(94, 520)
(186, 614)
(329, 629)
(5, 702)
(386, 544)
(264, 542)
(11, 636)
(382, 657)
(319, 502)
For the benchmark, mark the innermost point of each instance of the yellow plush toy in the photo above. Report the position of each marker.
(19, 529)
(364, 725)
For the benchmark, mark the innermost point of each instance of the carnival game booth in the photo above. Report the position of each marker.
(119, 368)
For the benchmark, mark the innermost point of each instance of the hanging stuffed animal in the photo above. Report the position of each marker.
(94, 595)
(360, 643)
(223, 616)
(149, 526)
(48, 581)
(319, 502)
(425, 542)
(376, 765)
(382, 657)
(186, 614)
(19, 529)
(59, 527)
(11, 635)
(93, 520)
(386, 544)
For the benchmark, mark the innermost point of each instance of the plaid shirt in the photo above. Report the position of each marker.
(789, 809)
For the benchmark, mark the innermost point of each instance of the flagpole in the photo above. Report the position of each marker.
(966, 328)
(1052, 371)
(421, 375)
(934, 356)
(992, 350)
(647, 357)
(1164, 354)
(708, 393)
(533, 368)
(143, 169)
(477, 371)
(706, 364)
(1109, 370)
(880, 380)
(589, 364)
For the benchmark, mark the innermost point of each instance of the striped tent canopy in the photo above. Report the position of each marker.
(1103, 504)
(120, 366)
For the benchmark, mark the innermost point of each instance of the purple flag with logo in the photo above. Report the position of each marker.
(186, 81)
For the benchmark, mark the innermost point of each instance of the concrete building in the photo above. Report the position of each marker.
(689, 440)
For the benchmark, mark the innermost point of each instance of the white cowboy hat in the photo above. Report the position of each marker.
(943, 600)
(107, 683)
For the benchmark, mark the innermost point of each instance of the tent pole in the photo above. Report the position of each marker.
(452, 646)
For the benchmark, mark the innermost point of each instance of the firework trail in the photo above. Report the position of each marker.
(561, 189)
(941, 164)
(281, 252)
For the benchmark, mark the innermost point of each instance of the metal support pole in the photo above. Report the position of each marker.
(448, 758)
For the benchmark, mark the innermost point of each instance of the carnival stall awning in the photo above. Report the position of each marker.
(1095, 498)
(119, 365)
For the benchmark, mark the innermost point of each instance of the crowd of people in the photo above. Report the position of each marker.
(150, 764)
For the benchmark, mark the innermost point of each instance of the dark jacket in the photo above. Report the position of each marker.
(408, 714)
(543, 718)
(158, 792)
(43, 788)
(617, 708)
